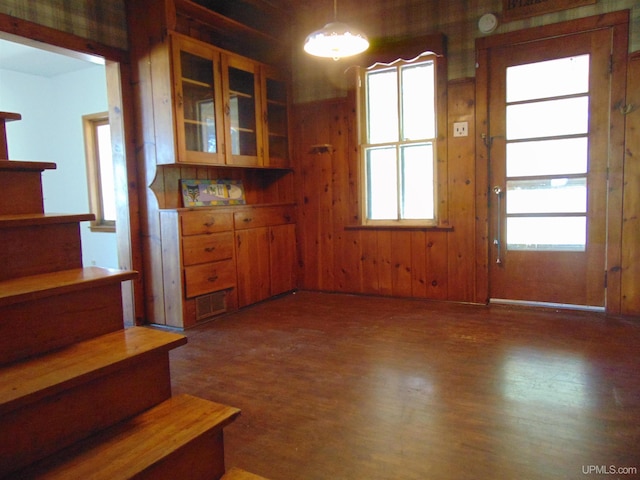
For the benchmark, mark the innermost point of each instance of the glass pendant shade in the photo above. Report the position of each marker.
(336, 40)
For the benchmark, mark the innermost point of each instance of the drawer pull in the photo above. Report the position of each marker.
(209, 249)
(210, 224)
(212, 279)
(247, 220)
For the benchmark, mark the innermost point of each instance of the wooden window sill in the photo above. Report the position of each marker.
(422, 228)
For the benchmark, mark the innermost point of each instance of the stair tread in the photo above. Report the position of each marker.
(28, 219)
(43, 285)
(239, 474)
(137, 444)
(31, 380)
(20, 165)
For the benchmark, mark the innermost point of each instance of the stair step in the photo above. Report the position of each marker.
(21, 180)
(39, 243)
(36, 287)
(33, 379)
(239, 474)
(180, 438)
(52, 401)
(40, 313)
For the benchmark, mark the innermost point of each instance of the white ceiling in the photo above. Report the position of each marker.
(27, 59)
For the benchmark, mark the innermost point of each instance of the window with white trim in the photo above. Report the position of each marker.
(399, 142)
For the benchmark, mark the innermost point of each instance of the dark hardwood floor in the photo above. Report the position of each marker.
(352, 387)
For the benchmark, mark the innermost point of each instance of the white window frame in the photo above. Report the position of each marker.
(439, 219)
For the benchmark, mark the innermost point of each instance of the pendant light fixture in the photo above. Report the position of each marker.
(336, 39)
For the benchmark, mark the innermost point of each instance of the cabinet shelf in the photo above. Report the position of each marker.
(194, 122)
(234, 93)
(197, 83)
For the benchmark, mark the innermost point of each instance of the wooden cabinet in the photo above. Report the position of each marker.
(217, 259)
(282, 258)
(198, 100)
(276, 118)
(252, 248)
(198, 267)
(243, 111)
(266, 253)
(208, 110)
(228, 109)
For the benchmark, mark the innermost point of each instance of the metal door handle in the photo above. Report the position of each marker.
(497, 240)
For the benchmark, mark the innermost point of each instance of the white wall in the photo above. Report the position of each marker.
(51, 131)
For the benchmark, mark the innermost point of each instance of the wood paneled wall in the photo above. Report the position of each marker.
(630, 302)
(434, 264)
(336, 255)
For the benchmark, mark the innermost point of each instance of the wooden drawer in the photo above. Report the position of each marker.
(206, 221)
(263, 217)
(209, 277)
(207, 248)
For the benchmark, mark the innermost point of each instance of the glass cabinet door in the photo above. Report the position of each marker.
(198, 95)
(277, 125)
(244, 128)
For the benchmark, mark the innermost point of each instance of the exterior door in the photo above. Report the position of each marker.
(548, 155)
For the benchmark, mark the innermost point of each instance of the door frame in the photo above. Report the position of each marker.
(120, 99)
(618, 22)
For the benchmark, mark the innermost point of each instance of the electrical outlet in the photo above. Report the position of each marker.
(461, 129)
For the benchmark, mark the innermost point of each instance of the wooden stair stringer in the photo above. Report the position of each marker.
(80, 396)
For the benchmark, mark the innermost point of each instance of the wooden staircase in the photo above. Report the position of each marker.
(80, 395)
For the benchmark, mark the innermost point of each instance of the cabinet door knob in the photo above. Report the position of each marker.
(213, 279)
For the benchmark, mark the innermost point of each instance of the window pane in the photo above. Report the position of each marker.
(547, 119)
(417, 182)
(418, 102)
(547, 233)
(552, 78)
(198, 103)
(382, 106)
(557, 195)
(547, 157)
(107, 185)
(382, 183)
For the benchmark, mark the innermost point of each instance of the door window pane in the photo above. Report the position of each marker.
(550, 118)
(556, 195)
(553, 78)
(382, 185)
(547, 157)
(418, 100)
(547, 233)
(417, 175)
(382, 106)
